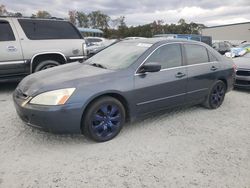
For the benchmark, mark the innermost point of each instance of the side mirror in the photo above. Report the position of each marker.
(150, 67)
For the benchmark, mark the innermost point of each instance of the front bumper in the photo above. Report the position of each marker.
(242, 82)
(65, 119)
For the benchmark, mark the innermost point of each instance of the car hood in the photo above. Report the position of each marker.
(242, 62)
(64, 76)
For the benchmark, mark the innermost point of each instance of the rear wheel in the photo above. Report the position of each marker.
(104, 119)
(46, 65)
(216, 95)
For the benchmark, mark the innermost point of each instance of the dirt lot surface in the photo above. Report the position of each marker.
(190, 147)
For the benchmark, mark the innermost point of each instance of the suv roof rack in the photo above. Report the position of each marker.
(51, 18)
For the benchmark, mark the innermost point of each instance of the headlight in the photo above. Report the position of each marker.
(56, 97)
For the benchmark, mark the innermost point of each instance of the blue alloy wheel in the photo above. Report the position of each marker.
(217, 95)
(104, 119)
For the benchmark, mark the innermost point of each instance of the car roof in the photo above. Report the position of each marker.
(33, 18)
(160, 40)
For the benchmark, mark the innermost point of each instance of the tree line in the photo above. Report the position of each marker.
(117, 27)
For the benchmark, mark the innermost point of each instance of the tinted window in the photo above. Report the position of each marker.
(48, 29)
(6, 33)
(168, 56)
(196, 54)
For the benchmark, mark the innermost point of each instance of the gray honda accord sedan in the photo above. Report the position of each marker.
(122, 82)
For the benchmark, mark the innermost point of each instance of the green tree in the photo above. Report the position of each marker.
(97, 19)
(43, 14)
(82, 18)
(3, 11)
(72, 16)
(18, 14)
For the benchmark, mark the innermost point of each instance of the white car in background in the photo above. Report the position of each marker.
(133, 38)
(99, 41)
(96, 44)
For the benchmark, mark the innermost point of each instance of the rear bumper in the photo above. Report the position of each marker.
(64, 119)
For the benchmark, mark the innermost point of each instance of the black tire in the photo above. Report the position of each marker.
(100, 126)
(216, 95)
(43, 65)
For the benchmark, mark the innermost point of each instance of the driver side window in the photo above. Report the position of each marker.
(168, 56)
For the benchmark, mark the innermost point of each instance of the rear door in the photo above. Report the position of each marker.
(202, 69)
(11, 58)
(167, 88)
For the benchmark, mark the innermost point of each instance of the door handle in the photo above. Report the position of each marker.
(11, 48)
(213, 68)
(180, 75)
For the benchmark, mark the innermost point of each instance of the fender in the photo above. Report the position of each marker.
(44, 53)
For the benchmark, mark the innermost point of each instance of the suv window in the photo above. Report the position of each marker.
(196, 54)
(168, 56)
(6, 33)
(49, 29)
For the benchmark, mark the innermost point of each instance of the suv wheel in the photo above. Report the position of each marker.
(43, 65)
(104, 119)
(216, 95)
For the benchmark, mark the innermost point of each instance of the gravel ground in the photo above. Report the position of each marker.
(190, 147)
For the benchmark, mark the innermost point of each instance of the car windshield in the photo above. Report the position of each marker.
(119, 56)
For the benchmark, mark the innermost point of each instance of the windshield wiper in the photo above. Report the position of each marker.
(98, 65)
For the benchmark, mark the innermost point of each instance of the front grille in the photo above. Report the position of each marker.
(242, 82)
(21, 95)
(243, 72)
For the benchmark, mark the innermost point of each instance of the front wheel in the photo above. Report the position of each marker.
(104, 119)
(46, 65)
(216, 95)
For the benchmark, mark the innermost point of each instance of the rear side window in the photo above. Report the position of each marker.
(46, 29)
(6, 33)
(168, 56)
(196, 54)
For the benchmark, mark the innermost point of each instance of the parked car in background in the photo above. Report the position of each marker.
(124, 81)
(133, 38)
(243, 71)
(94, 45)
(222, 47)
(99, 41)
(206, 39)
(30, 45)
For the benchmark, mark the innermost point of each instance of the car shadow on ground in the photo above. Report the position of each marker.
(242, 90)
(8, 87)
(40, 136)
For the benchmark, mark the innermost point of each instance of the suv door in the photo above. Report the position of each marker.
(167, 88)
(202, 69)
(11, 59)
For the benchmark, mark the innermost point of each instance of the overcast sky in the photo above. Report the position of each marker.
(208, 12)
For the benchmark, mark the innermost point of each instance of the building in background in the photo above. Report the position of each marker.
(234, 33)
(90, 32)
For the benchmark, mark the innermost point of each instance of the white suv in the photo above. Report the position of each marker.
(30, 45)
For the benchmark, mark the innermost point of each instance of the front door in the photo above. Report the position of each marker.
(167, 88)
(11, 58)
